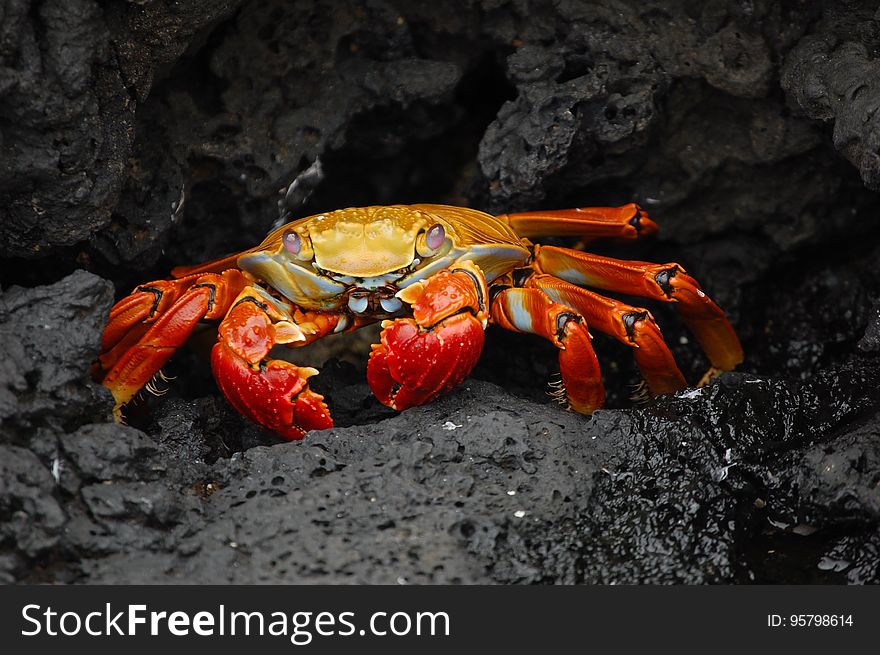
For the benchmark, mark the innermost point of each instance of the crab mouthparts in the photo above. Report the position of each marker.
(365, 302)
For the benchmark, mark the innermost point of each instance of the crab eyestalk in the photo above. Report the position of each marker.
(422, 357)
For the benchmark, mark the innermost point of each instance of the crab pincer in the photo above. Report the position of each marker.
(273, 393)
(422, 357)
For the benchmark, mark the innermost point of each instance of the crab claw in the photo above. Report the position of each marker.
(413, 366)
(274, 395)
(425, 356)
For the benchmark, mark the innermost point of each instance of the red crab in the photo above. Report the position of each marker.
(435, 276)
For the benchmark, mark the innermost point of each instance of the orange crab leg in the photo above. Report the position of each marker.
(133, 314)
(130, 313)
(625, 222)
(421, 357)
(147, 327)
(272, 393)
(633, 326)
(531, 311)
(213, 266)
(666, 282)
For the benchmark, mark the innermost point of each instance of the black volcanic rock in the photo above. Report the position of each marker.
(50, 337)
(480, 487)
(71, 77)
(831, 75)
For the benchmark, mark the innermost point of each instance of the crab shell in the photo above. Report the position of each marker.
(382, 247)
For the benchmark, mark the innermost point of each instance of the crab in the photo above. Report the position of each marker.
(435, 276)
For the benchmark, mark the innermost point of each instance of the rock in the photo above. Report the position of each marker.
(870, 342)
(831, 75)
(110, 452)
(857, 556)
(124, 500)
(477, 488)
(30, 517)
(50, 337)
(69, 72)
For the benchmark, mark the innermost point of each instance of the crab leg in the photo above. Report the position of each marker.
(531, 311)
(272, 393)
(624, 222)
(421, 357)
(666, 282)
(135, 312)
(146, 327)
(633, 326)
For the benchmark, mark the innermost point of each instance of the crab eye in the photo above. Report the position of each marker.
(292, 242)
(435, 237)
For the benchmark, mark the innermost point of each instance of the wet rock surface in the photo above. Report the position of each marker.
(142, 135)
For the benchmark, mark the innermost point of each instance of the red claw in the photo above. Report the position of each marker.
(425, 356)
(272, 393)
(413, 366)
(275, 395)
